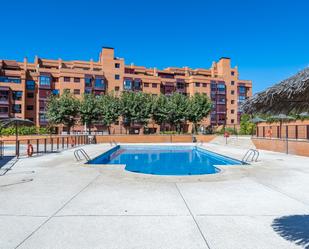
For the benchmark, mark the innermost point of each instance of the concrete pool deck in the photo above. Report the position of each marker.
(52, 201)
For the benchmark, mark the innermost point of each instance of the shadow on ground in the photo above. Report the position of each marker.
(4, 160)
(294, 228)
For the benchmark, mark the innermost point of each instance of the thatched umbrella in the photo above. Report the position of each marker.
(304, 115)
(282, 117)
(15, 122)
(290, 95)
(257, 120)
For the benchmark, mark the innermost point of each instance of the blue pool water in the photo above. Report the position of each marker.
(165, 160)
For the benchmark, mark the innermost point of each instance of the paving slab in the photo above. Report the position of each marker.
(241, 197)
(14, 229)
(242, 232)
(117, 232)
(117, 197)
(43, 192)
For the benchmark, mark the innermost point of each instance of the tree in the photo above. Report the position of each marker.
(89, 110)
(109, 108)
(177, 106)
(199, 107)
(63, 110)
(160, 109)
(246, 127)
(135, 108)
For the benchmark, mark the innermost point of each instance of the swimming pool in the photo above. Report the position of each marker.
(165, 160)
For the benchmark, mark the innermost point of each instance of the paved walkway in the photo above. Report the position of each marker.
(54, 202)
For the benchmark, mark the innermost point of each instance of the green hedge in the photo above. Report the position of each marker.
(24, 130)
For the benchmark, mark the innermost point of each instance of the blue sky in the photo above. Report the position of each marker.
(268, 40)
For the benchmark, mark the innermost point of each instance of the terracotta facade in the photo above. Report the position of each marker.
(25, 86)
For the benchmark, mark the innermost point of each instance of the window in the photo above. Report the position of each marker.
(88, 90)
(55, 79)
(117, 65)
(76, 91)
(232, 111)
(30, 84)
(99, 83)
(146, 84)
(232, 92)
(4, 96)
(10, 79)
(4, 109)
(30, 95)
(221, 87)
(16, 108)
(66, 79)
(154, 85)
(88, 82)
(44, 80)
(187, 84)
(43, 118)
(232, 121)
(232, 82)
(117, 77)
(232, 102)
(17, 95)
(137, 84)
(180, 85)
(55, 92)
(204, 85)
(29, 107)
(242, 89)
(197, 84)
(117, 88)
(241, 99)
(76, 80)
(232, 73)
(127, 84)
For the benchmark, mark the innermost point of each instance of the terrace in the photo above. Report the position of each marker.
(52, 201)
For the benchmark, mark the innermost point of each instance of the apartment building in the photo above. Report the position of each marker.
(25, 86)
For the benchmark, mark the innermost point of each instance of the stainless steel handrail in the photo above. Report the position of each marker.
(83, 153)
(255, 154)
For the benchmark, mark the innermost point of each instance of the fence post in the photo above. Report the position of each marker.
(57, 143)
(45, 145)
(17, 148)
(62, 142)
(296, 131)
(287, 139)
(37, 146)
(67, 142)
(52, 144)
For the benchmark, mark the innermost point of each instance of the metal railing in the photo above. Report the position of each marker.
(284, 131)
(40, 145)
(254, 154)
(79, 152)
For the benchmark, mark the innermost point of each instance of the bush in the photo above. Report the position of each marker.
(231, 131)
(24, 130)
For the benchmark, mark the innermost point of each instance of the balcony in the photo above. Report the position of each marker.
(30, 85)
(5, 79)
(137, 85)
(127, 84)
(4, 97)
(45, 82)
(99, 84)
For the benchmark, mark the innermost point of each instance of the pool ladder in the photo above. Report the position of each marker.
(113, 142)
(81, 152)
(254, 154)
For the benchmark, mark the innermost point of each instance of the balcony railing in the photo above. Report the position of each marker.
(10, 79)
